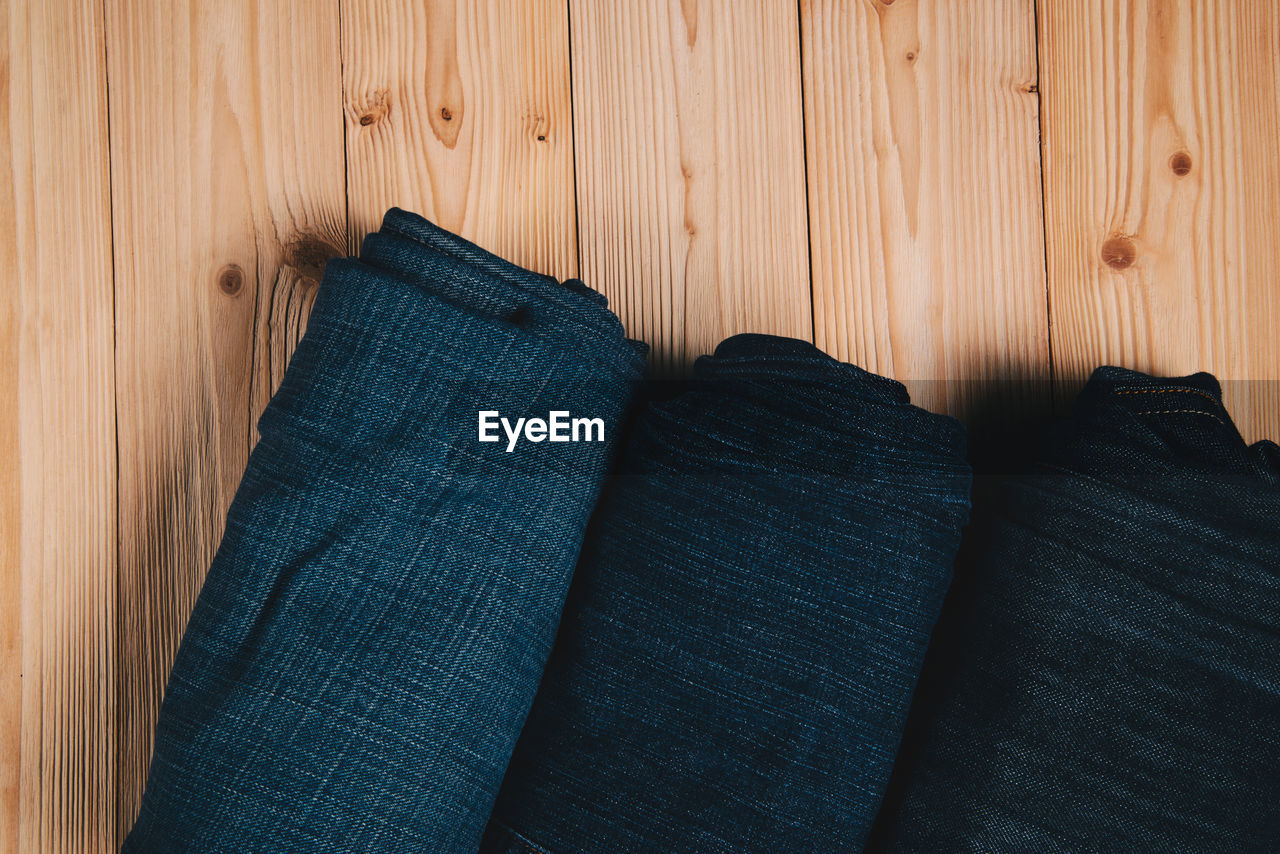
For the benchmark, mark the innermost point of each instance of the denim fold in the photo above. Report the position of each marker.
(748, 617)
(1111, 680)
(372, 629)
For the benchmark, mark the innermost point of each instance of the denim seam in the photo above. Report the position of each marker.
(1188, 411)
(1203, 394)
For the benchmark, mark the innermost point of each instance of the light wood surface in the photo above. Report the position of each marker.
(925, 221)
(461, 112)
(57, 436)
(690, 169)
(973, 196)
(1162, 193)
(227, 194)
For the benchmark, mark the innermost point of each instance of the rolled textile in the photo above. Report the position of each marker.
(373, 627)
(1114, 682)
(748, 617)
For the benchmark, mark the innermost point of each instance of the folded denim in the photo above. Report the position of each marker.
(748, 617)
(373, 627)
(1113, 681)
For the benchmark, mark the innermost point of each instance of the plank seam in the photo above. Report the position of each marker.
(573, 144)
(1044, 212)
(342, 128)
(804, 151)
(117, 817)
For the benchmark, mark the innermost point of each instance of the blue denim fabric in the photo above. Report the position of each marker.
(1112, 682)
(372, 630)
(746, 624)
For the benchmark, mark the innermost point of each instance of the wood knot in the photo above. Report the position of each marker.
(307, 254)
(446, 120)
(376, 107)
(1180, 163)
(911, 56)
(231, 280)
(1119, 252)
(536, 124)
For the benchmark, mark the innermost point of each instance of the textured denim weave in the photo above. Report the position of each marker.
(748, 617)
(372, 630)
(1115, 685)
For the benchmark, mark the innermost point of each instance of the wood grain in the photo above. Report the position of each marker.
(690, 169)
(460, 111)
(57, 434)
(926, 229)
(1163, 192)
(227, 175)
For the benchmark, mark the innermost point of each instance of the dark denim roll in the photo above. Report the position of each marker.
(1114, 684)
(748, 618)
(372, 630)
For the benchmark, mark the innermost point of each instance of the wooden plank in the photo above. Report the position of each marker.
(460, 111)
(57, 434)
(1162, 190)
(690, 169)
(227, 169)
(921, 121)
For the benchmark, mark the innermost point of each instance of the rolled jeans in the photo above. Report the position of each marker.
(1111, 678)
(748, 618)
(371, 632)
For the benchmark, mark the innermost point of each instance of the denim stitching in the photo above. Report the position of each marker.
(1203, 394)
(1188, 411)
